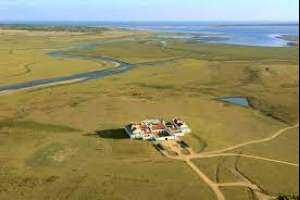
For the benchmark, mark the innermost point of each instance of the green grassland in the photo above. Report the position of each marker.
(64, 142)
(50, 162)
(218, 169)
(242, 75)
(273, 178)
(287, 184)
(238, 194)
(288, 152)
(24, 54)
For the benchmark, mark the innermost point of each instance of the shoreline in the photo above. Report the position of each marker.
(291, 40)
(207, 33)
(6, 92)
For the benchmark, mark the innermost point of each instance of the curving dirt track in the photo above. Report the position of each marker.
(216, 187)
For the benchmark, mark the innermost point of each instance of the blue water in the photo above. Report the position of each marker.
(234, 33)
(240, 101)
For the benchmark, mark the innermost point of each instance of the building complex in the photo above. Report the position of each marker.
(157, 130)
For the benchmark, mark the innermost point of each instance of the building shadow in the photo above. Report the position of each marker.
(117, 134)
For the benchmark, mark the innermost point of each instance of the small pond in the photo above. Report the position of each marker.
(240, 101)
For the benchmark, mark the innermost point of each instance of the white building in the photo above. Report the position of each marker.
(157, 129)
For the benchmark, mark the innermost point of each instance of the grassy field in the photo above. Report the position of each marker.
(64, 142)
(48, 164)
(25, 54)
(286, 147)
(287, 184)
(219, 169)
(245, 71)
(238, 194)
(273, 178)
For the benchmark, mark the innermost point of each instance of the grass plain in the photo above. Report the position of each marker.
(64, 142)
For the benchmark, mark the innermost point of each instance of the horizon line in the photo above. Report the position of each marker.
(268, 21)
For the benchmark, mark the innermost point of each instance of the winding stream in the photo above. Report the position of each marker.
(121, 67)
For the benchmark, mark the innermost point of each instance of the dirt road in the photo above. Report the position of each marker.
(272, 137)
(177, 154)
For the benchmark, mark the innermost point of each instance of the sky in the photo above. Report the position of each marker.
(149, 10)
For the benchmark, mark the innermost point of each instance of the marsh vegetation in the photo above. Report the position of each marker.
(65, 142)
